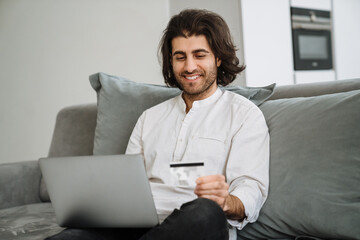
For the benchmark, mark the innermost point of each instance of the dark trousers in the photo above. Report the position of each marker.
(198, 219)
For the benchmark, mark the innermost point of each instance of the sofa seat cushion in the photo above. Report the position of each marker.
(33, 221)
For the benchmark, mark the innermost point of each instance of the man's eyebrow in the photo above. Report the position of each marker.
(178, 52)
(201, 50)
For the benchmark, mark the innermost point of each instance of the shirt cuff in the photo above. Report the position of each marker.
(237, 224)
(251, 214)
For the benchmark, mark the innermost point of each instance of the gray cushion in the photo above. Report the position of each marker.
(314, 168)
(121, 102)
(33, 221)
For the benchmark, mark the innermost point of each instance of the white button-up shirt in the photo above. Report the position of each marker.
(225, 131)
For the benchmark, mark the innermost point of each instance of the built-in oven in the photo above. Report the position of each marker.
(311, 34)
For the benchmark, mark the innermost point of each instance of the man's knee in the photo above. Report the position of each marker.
(204, 211)
(204, 205)
(198, 219)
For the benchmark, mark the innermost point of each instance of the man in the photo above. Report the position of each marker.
(205, 124)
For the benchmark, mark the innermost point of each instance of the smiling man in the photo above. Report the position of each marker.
(223, 131)
(205, 124)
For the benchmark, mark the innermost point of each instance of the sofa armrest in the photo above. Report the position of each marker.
(19, 183)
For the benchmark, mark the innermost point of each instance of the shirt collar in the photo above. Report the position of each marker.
(201, 103)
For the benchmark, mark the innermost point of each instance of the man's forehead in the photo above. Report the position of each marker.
(190, 44)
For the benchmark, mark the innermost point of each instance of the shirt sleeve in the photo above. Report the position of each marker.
(135, 145)
(247, 170)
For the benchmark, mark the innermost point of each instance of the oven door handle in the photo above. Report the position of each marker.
(311, 26)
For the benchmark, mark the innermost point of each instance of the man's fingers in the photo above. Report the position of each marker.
(212, 185)
(219, 193)
(210, 178)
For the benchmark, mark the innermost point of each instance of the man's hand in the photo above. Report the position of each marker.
(214, 187)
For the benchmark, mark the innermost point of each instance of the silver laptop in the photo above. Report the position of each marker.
(99, 191)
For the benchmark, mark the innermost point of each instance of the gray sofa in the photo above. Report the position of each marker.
(314, 166)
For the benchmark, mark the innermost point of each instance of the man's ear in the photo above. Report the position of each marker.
(218, 62)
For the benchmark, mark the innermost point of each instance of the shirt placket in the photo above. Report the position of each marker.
(181, 140)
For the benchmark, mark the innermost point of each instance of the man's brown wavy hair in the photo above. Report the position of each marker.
(201, 22)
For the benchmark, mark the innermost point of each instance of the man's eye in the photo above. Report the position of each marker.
(180, 58)
(200, 56)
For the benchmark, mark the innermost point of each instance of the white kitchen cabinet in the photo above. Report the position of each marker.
(346, 38)
(267, 43)
(262, 31)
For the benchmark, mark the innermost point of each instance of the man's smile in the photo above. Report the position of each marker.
(192, 78)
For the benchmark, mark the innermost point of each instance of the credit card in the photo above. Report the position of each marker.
(186, 173)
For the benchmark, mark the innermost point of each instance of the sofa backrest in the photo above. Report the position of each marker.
(75, 125)
(74, 131)
(315, 89)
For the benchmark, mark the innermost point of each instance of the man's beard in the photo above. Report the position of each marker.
(189, 88)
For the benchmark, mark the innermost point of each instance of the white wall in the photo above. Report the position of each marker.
(347, 38)
(49, 48)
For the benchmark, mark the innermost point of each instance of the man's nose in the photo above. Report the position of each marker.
(190, 65)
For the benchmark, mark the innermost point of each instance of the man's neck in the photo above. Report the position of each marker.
(189, 99)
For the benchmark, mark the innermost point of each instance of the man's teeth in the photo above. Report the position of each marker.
(193, 77)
